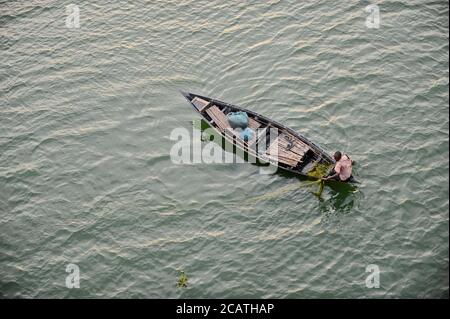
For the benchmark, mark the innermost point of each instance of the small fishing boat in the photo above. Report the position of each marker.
(290, 150)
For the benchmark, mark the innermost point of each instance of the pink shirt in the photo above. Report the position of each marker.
(344, 167)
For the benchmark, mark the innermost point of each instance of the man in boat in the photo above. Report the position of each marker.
(342, 170)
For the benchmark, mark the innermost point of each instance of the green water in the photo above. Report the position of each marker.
(86, 176)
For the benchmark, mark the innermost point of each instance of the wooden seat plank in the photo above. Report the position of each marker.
(199, 103)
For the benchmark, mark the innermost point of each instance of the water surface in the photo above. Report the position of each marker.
(86, 176)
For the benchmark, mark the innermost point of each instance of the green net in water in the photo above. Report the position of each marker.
(320, 170)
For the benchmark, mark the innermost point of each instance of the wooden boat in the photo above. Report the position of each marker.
(290, 150)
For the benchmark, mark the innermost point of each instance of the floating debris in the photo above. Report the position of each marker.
(182, 280)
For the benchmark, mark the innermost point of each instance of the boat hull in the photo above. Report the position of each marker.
(314, 155)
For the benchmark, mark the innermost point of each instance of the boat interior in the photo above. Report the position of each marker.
(286, 149)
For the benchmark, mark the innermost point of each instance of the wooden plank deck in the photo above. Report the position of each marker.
(218, 117)
(279, 150)
(253, 124)
(296, 145)
(289, 156)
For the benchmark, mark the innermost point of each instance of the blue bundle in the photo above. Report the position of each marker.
(238, 119)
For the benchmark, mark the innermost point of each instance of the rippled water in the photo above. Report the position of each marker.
(86, 177)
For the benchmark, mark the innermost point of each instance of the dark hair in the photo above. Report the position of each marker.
(337, 156)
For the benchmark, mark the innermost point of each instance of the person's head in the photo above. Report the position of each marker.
(337, 156)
